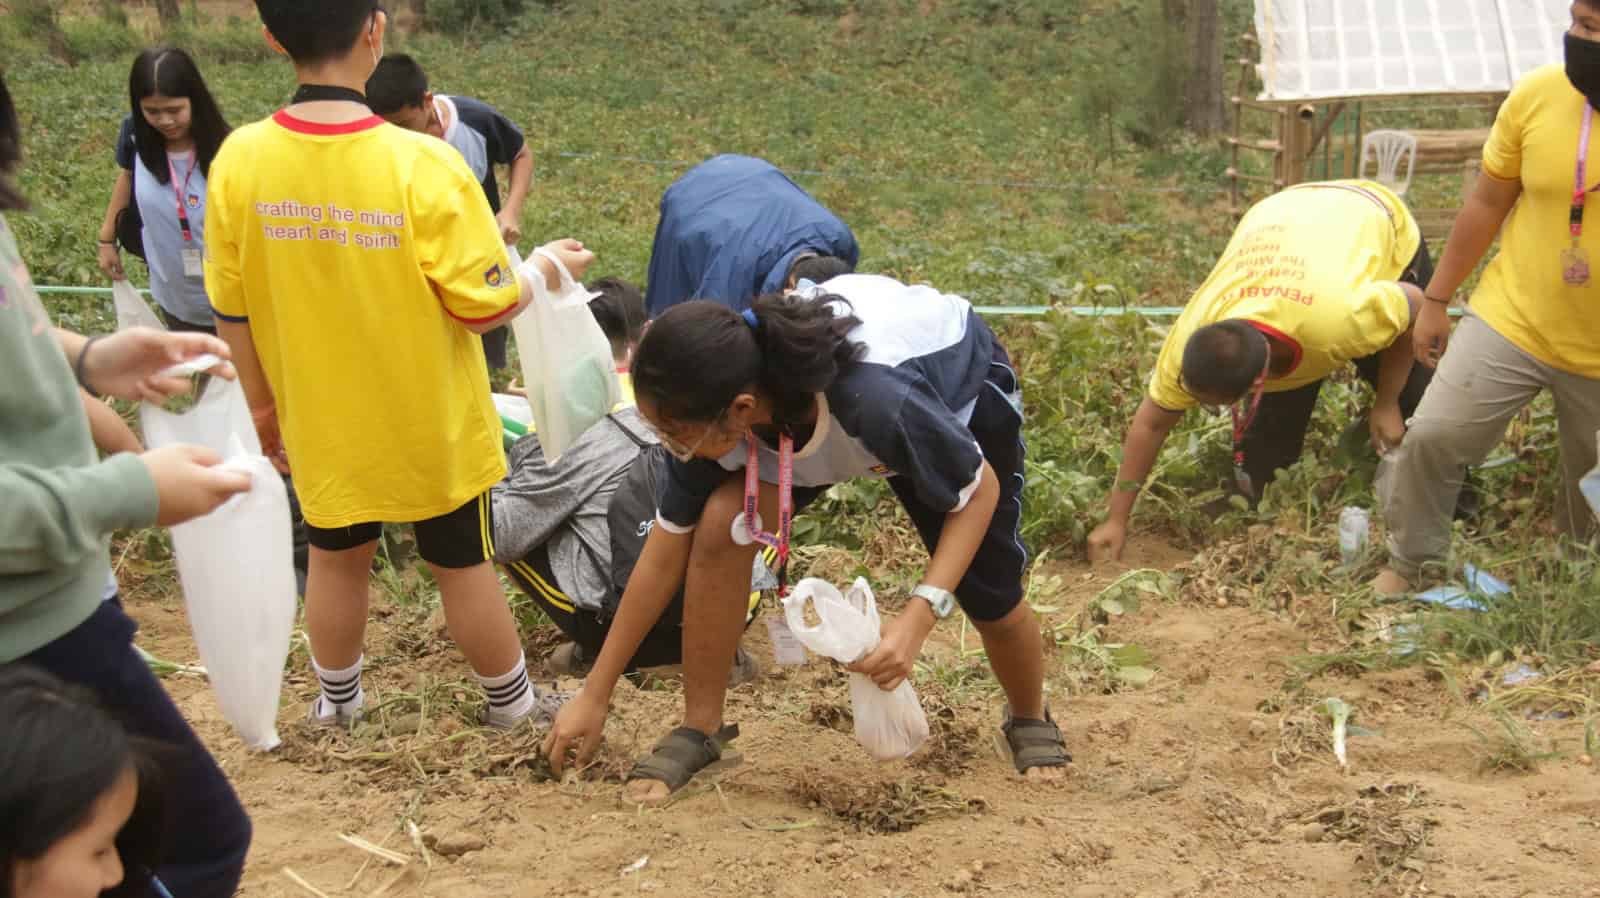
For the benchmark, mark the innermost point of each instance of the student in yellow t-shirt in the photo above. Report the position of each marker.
(1533, 322)
(351, 265)
(1314, 277)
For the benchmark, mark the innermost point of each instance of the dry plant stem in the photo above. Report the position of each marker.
(297, 880)
(382, 854)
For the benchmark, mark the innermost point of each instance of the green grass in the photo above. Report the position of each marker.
(951, 145)
(1013, 152)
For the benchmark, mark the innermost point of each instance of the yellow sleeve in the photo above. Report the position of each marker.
(458, 241)
(224, 280)
(1502, 153)
(1379, 314)
(1166, 388)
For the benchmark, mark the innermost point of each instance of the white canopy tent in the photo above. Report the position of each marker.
(1341, 49)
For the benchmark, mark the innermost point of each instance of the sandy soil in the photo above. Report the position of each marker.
(1210, 781)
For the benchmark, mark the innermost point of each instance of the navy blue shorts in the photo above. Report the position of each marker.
(208, 833)
(992, 587)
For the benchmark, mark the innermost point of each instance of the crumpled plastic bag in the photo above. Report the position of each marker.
(889, 725)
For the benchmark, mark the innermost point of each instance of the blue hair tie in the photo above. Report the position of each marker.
(751, 319)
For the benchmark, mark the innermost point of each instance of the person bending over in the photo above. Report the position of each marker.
(1315, 277)
(734, 228)
(870, 378)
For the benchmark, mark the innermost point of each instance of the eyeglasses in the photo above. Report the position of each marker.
(686, 453)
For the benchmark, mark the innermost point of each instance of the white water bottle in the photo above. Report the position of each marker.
(1354, 524)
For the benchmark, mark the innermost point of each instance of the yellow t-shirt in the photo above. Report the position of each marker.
(1316, 264)
(1523, 295)
(354, 252)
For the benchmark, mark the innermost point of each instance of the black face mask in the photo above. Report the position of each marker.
(1583, 67)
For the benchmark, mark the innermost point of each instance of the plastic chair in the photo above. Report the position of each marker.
(1388, 149)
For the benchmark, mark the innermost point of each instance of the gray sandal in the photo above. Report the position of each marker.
(682, 754)
(1035, 743)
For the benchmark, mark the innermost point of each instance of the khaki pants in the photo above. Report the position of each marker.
(1483, 381)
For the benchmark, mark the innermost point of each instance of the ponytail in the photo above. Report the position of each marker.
(698, 356)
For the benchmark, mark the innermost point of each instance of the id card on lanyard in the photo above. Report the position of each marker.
(747, 525)
(193, 259)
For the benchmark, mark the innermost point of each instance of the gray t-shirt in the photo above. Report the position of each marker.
(182, 296)
(563, 506)
(567, 508)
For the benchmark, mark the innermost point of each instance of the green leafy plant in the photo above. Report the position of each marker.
(1509, 745)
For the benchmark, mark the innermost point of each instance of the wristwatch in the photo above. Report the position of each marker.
(943, 601)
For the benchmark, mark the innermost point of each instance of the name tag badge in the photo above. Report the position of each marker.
(1241, 479)
(193, 263)
(786, 647)
(1575, 266)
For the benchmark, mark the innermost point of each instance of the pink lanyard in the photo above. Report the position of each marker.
(1579, 194)
(180, 193)
(779, 542)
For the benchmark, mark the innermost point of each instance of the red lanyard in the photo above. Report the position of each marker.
(779, 542)
(182, 193)
(1239, 427)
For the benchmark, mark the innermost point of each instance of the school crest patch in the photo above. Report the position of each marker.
(495, 277)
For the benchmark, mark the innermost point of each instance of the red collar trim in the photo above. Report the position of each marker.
(301, 126)
(1271, 331)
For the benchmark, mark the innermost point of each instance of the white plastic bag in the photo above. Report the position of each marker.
(221, 415)
(132, 310)
(514, 407)
(566, 360)
(236, 565)
(1590, 485)
(889, 725)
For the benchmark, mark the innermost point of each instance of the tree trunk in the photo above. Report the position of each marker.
(168, 11)
(1203, 103)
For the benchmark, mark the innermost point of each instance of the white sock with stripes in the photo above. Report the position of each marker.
(341, 689)
(510, 695)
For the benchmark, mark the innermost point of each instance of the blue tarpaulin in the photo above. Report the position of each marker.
(731, 228)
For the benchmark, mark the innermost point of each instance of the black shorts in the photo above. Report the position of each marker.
(179, 326)
(992, 587)
(662, 645)
(460, 539)
(494, 347)
(1420, 271)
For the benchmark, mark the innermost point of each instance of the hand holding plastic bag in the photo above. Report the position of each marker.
(566, 359)
(132, 310)
(236, 566)
(889, 725)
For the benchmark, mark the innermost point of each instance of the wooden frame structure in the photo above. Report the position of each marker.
(1297, 131)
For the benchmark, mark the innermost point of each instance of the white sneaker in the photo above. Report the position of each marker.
(322, 713)
(546, 704)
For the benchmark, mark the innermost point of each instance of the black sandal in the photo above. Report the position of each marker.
(682, 754)
(1035, 743)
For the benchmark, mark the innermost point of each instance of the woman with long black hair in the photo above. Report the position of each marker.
(165, 150)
